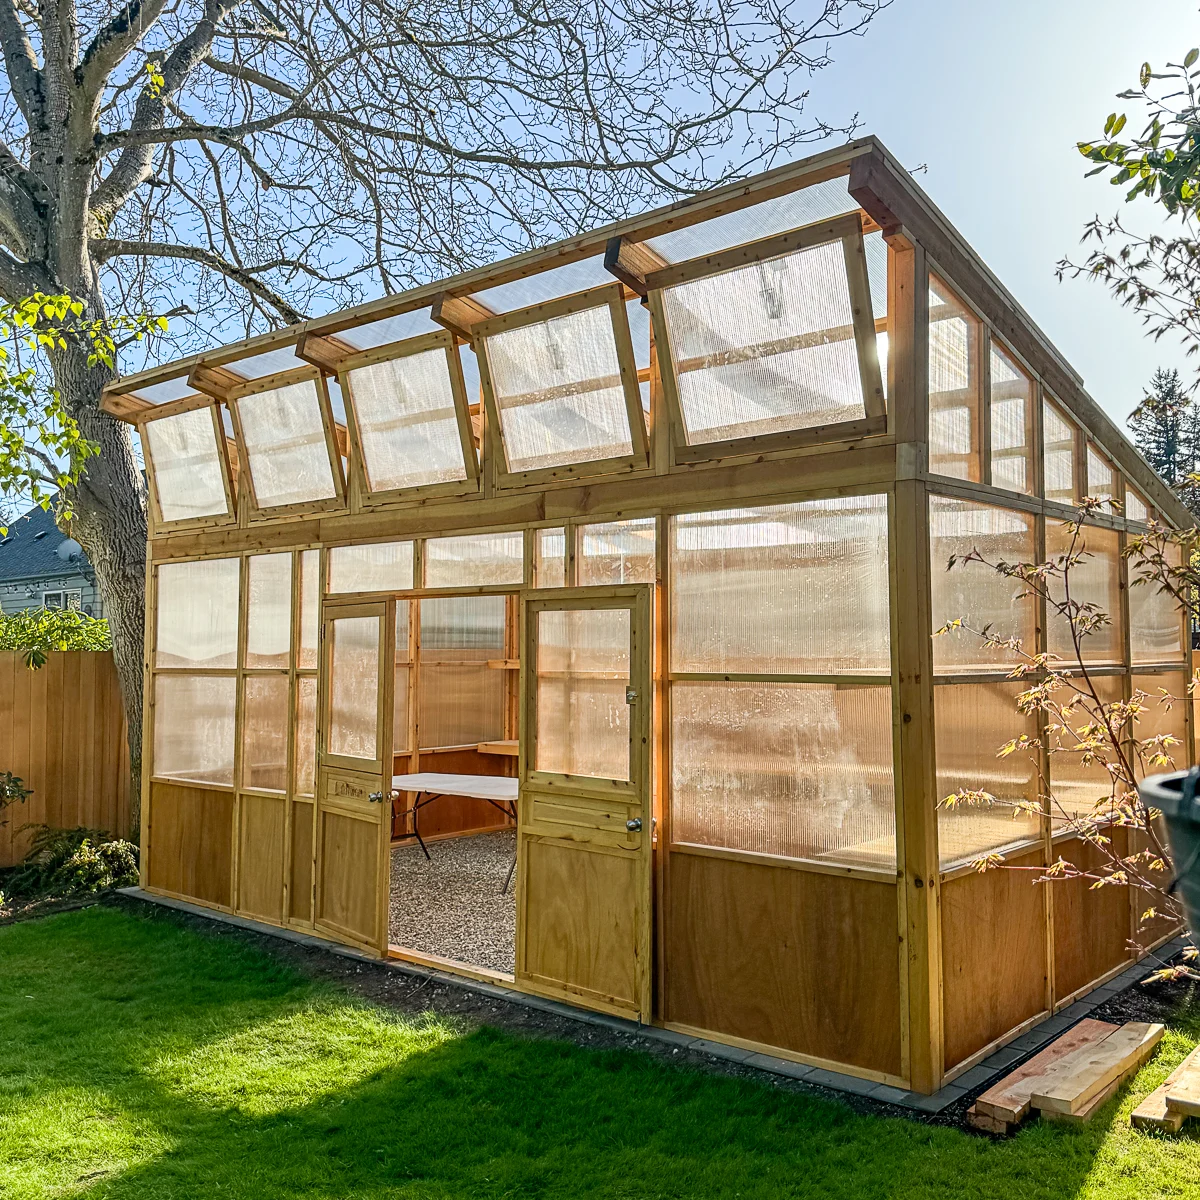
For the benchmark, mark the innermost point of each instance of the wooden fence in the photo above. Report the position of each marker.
(62, 730)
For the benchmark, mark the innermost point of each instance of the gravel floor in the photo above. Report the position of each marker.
(451, 905)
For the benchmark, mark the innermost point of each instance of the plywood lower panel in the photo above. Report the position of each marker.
(993, 956)
(191, 842)
(808, 962)
(347, 898)
(300, 884)
(260, 857)
(580, 927)
(1091, 927)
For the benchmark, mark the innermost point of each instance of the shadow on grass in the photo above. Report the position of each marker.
(235, 1077)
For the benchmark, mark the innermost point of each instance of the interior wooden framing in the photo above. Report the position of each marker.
(905, 976)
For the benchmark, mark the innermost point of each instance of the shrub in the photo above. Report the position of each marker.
(12, 791)
(38, 631)
(67, 861)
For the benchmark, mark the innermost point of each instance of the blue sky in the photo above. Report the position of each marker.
(993, 97)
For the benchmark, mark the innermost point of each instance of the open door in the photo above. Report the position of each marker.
(584, 818)
(354, 777)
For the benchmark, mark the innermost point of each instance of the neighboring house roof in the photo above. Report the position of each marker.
(35, 548)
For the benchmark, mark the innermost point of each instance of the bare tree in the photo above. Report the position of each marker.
(260, 159)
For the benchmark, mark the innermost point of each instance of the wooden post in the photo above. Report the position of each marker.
(916, 781)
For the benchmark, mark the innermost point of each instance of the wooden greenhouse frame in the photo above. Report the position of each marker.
(884, 957)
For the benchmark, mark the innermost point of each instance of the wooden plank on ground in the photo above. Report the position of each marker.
(982, 1121)
(1008, 1100)
(1183, 1088)
(1153, 1112)
(1068, 1085)
(1093, 1106)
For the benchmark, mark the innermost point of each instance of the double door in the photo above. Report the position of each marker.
(584, 828)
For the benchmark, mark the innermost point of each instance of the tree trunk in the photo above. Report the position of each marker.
(109, 508)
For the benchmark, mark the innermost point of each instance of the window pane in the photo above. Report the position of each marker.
(1135, 506)
(1155, 619)
(402, 670)
(559, 392)
(285, 442)
(1095, 580)
(789, 589)
(306, 735)
(974, 592)
(550, 557)
(766, 348)
(407, 425)
(461, 699)
(1100, 475)
(1059, 455)
(798, 769)
(1011, 419)
(198, 613)
(264, 732)
(354, 687)
(1078, 788)
(475, 560)
(187, 465)
(310, 608)
(379, 567)
(617, 552)
(194, 727)
(972, 722)
(269, 611)
(582, 674)
(953, 385)
(1164, 712)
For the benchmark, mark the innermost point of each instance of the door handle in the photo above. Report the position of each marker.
(634, 824)
(376, 797)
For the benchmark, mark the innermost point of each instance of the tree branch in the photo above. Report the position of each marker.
(112, 43)
(24, 75)
(104, 249)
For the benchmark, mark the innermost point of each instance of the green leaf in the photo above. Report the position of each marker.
(1192, 55)
(1144, 75)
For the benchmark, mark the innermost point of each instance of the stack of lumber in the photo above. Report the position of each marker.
(1071, 1079)
(1174, 1100)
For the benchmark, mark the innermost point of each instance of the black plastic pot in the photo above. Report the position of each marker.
(1175, 795)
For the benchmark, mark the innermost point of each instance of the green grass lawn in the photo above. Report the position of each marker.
(140, 1059)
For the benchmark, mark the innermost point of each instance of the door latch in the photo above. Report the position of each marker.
(376, 797)
(630, 695)
(634, 824)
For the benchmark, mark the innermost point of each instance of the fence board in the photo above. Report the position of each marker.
(62, 730)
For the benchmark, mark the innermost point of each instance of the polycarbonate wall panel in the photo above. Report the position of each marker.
(1093, 580)
(1155, 617)
(1079, 788)
(1058, 455)
(197, 614)
(616, 552)
(550, 557)
(1011, 417)
(786, 589)
(954, 334)
(310, 608)
(269, 611)
(582, 676)
(971, 723)
(407, 425)
(975, 592)
(796, 769)
(1101, 479)
(194, 727)
(476, 560)
(766, 348)
(1135, 506)
(188, 475)
(1164, 712)
(284, 434)
(306, 735)
(558, 389)
(376, 567)
(265, 732)
(354, 687)
(461, 699)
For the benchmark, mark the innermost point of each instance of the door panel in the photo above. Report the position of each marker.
(584, 829)
(354, 774)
